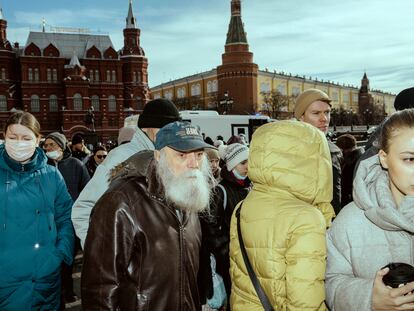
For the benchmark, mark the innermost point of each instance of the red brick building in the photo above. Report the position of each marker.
(58, 76)
(237, 75)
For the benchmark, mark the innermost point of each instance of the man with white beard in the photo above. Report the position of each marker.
(143, 242)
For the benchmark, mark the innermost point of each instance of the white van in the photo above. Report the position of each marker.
(213, 124)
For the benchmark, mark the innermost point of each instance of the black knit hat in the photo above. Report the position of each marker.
(404, 99)
(58, 138)
(77, 139)
(157, 113)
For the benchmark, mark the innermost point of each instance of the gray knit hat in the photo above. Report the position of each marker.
(233, 154)
(58, 138)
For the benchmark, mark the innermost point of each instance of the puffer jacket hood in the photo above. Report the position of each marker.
(372, 194)
(283, 219)
(38, 161)
(281, 170)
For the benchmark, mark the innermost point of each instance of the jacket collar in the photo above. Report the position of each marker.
(372, 194)
(141, 140)
(38, 160)
(229, 176)
(155, 186)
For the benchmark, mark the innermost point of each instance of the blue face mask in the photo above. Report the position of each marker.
(237, 175)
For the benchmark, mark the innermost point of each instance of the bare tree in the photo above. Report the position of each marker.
(189, 103)
(276, 104)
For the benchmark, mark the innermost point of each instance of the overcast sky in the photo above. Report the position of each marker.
(328, 39)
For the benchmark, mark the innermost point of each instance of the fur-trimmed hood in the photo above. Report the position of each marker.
(136, 165)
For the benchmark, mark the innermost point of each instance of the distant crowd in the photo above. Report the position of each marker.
(168, 219)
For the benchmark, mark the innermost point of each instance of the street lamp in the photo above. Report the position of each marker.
(352, 119)
(226, 102)
(334, 117)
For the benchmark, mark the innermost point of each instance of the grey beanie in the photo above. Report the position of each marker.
(58, 138)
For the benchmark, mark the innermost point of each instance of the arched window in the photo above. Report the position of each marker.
(77, 102)
(113, 76)
(3, 103)
(209, 87)
(95, 102)
(36, 75)
(49, 74)
(111, 103)
(3, 73)
(30, 71)
(53, 103)
(34, 103)
(134, 77)
(264, 87)
(295, 91)
(97, 75)
(140, 104)
(181, 92)
(215, 86)
(281, 89)
(108, 76)
(91, 75)
(195, 89)
(168, 95)
(54, 74)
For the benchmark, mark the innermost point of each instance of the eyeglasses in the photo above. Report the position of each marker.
(101, 156)
(51, 145)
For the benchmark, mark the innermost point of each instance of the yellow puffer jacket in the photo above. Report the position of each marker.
(282, 219)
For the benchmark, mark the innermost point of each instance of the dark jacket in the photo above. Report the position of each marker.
(336, 156)
(80, 155)
(347, 170)
(74, 173)
(138, 254)
(137, 165)
(216, 226)
(91, 165)
(36, 233)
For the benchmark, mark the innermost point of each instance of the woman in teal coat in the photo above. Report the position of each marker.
(36, 233)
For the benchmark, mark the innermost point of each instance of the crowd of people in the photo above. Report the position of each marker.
(172, 220)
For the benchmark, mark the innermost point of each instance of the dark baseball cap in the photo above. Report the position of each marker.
(180, 136)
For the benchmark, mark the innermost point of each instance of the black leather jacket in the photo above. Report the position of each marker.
(139, 254)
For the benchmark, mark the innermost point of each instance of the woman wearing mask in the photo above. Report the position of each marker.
(36, 233)
(377, 228)
(233, 188)
(97, 158)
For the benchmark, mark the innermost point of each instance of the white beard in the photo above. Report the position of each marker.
(189, 191)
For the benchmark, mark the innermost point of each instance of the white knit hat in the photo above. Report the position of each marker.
(233, 154)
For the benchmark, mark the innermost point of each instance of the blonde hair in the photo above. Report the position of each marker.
(26, 119)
